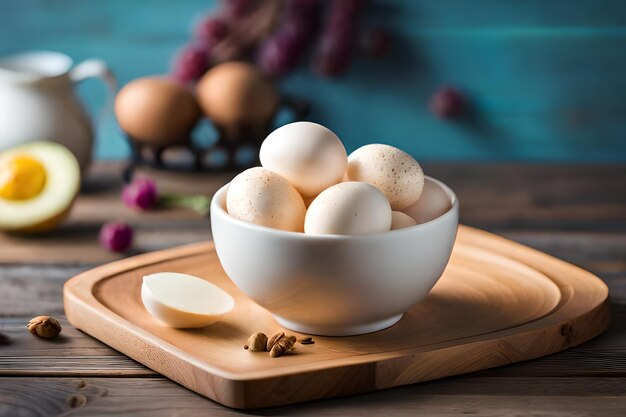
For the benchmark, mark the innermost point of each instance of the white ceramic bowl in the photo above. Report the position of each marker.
(334, 285)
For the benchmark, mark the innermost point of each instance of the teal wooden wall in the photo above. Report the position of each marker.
(546, 77)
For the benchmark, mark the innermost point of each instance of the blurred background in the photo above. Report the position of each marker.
(120, 120)
(540, 80)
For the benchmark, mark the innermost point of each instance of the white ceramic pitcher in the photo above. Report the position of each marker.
(37, 101)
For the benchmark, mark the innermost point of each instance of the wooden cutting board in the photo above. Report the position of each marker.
(498, 302)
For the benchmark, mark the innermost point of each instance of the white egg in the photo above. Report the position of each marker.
(433, 202)
(400, 220)
(309, 155)
(390, 169)
(263, 197)
(184, 301)
(348, 208)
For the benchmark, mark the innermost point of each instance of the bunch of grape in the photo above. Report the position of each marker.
(333, 53)
(278, 35)
(283, 50)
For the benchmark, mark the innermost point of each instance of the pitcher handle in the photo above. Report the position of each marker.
(96, 68)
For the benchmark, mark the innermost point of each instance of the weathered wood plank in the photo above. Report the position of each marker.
(602, 253)
(74, 244)
(601, 357)
(33, 397)
(33, 290)
(72, 353)
(496, 197)
(577, 213)
(77, 244)
(78, 354)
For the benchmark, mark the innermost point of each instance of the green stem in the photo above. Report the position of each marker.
(199, 203)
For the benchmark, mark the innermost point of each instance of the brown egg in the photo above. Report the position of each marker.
(156, 111)
(236, 94)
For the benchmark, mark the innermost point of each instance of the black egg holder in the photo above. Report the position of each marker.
(229, 140)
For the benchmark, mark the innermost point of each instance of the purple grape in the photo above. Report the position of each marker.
(140, 194)
(279, 54)
(300, 10)
(447, 103)
(333, 55)
(300, 28)
(333, 61)
(376, 42)
(301, 6)
(283, 51)
(339, 23)
(211, 31)
(347, 6)
(334, 52)
(116, 236)
(300, 18)
(344, 9)
(190, 64)
(236, 9)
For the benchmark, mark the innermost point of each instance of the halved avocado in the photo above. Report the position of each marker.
(38, 184)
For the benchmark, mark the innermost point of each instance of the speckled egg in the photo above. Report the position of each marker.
(309, 155)
(348, 208)
(391, 170)
(401, 220)
(263, 197)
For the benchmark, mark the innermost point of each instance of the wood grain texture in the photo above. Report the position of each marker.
(603, 253)
(497, 303)
(70, 354)
(507, 198)
(157, 397)
(79, 355)
(29, 397)
(558, 209)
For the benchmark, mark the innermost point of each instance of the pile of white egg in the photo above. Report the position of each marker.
(305, 164)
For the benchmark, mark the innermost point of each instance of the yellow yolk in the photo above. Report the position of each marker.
(21, 178)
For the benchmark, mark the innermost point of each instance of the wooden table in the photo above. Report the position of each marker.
(575, 212)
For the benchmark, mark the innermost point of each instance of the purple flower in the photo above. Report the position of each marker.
(140, 194)
(116, 236)
(447, 103)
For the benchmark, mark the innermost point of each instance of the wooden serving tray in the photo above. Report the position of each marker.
(498, 302)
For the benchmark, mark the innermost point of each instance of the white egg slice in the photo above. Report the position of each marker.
(184, 301)
(348, 208)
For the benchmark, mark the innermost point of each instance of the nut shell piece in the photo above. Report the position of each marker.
(273, 339)
(257, 342)
(44, 326)
(282, 346)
